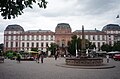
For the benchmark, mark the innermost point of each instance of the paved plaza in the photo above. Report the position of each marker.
(10, 69)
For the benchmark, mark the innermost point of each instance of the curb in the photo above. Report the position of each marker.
(105, 66)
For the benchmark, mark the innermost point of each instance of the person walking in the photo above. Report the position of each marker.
(38, 57)
(56, 56)
(42, 56)
(18, 58)
(107, 56)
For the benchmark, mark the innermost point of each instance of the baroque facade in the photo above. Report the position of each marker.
(16, 39)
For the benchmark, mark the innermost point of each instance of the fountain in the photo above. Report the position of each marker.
(82, 59)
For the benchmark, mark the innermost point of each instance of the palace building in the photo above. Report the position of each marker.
(16, 39)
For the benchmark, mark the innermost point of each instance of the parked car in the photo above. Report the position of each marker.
(116, 57)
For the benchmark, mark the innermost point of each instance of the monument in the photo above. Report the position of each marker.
(82, 59)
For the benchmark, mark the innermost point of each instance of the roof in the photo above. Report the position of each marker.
(14, 27)
(63, 26)
(31, 31)
(87, 31)
(113, 27)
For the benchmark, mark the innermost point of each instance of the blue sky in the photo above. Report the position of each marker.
(90, 13)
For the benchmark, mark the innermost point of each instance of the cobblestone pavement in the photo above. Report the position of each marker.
(10, 69)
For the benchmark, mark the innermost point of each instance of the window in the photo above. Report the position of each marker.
(37, 38)
(98, 37)
(27, 44)
(11, 44)
(103, 38)
(51, 37)
(16, 44)
(46, 37)
(93, 37)
(27, 48)
(42, 44)
(6, 37)
(27, 37)
(23, 45)
(23, 37)
(11, 37)
(89, 37)
(16, 37)
(42, 37)
(103, 43)
(110, 42)
(37, 45)
(32, 44)
(6, 44)
(47, 44)
(98, 44)
(32, 37)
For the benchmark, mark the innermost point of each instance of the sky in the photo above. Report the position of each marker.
(90, 13)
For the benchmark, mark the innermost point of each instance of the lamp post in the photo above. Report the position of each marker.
(83, 50)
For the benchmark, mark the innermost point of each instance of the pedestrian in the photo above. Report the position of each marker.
(107, 56)
(56, 55)
(18, 58)
(42, 56)
(38, 57)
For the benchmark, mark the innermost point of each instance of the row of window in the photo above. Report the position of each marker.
(94, 37)
(36, 45)
(12, 32)
(42, 44)
(98, 44)
(113, 32)
(30, 38)
(35, 37)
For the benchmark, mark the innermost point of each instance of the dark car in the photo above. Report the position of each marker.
(116, 57)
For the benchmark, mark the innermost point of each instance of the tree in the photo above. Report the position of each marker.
(13, 8)
(72, 45)
(52, 48)
(116, 46)
(76, 43)
(92, 46)
(106, 48)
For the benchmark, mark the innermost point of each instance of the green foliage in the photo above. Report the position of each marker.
(79, 43)
(12, 8)
(116, 46)
(10, 54)
(106, 48)
(53, 48)
(92, 46)
(76, 43)
(72, 45)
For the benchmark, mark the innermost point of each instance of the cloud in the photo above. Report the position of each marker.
(1, 38)
(92, 7)
(90, 13)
